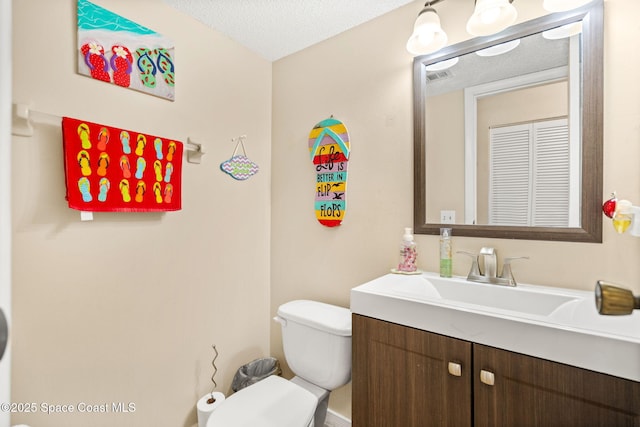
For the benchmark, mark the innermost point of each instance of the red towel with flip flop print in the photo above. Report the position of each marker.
(115, 170)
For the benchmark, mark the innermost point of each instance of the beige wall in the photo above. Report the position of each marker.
(142, 332)
(363, 77)
(126, 308)
(445, 151)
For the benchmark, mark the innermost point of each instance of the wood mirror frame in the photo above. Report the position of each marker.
(590, 229)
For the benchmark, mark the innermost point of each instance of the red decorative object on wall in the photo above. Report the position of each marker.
(115, 170)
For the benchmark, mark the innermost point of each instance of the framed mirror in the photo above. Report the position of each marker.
(509, 145)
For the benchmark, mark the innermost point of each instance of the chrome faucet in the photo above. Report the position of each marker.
(489, 271)
(490, 260)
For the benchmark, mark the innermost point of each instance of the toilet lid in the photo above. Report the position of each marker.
(272, 402)
(318, 315)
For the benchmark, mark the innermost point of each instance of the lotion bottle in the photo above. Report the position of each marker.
(408, 253)
(445, 252)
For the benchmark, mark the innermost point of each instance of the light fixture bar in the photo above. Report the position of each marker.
(489, 17)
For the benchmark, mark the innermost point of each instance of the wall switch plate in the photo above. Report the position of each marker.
(447, 217)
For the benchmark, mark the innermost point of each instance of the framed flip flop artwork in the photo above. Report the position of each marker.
(330, 148)
(116, 50)
(116, 170)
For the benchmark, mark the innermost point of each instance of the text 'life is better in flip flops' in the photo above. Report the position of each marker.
(329, 148)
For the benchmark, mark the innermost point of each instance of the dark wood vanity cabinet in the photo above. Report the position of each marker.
(405, 377)
(533, 392)
(400, 377)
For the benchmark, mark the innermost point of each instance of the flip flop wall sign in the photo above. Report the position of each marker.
(115, 170)
(329, 147)
(116, 50)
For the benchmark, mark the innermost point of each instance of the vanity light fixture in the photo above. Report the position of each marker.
(563, 5)
(427, 36)
(491, 16)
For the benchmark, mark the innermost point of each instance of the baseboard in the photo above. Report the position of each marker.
(336, 420)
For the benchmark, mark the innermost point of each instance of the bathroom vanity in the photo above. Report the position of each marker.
(429, 351)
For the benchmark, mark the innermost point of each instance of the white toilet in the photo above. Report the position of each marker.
(316, 338)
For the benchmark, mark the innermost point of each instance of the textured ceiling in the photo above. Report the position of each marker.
(277, 28)
(534, 54)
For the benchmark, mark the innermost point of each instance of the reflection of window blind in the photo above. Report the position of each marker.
(529, 174)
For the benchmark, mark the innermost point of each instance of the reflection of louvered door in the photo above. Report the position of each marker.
(529, 174)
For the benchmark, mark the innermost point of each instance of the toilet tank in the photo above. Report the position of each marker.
(316, 338)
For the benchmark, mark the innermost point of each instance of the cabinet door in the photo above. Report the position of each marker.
(401, 377)
(533, 392)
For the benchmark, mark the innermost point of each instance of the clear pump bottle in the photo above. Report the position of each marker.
(445, 252)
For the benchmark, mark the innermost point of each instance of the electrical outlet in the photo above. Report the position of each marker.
(447, 217)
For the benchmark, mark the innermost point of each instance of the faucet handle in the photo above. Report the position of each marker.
(506, 270)
(471, 254)
(474, 272)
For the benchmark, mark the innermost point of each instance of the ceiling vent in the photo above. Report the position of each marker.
(438, 75)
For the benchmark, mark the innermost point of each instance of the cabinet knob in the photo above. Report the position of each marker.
(487, 377)
(455, 369)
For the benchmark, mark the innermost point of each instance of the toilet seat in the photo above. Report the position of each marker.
(272, 402)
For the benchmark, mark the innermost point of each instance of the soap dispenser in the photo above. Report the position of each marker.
(408, 253)
(445, 252)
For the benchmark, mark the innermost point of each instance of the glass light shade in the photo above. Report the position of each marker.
(490, 17)
(563, 5)
(499, 49)
(428, 35)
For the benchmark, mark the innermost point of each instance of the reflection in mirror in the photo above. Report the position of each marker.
(520, 161)
(504, 127)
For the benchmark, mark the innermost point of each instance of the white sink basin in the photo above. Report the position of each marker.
(551, 323)
(518, 299)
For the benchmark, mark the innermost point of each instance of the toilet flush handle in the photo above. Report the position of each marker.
(280, 320)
